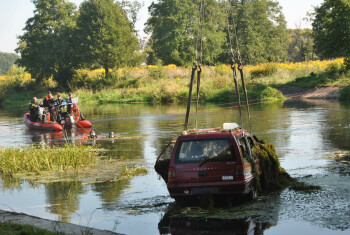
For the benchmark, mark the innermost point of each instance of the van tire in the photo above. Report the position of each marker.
(180, 201)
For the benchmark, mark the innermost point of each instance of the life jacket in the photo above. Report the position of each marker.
(48, 117)
(47, 98)
(75, 109)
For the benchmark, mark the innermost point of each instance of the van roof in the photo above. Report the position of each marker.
(213, 132)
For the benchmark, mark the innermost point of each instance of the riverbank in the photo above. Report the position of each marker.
(20, 223)
(169, 84)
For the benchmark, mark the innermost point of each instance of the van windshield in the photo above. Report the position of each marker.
(209, 149)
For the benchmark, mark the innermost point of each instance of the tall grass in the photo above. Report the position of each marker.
(36, 159)
(16, 228)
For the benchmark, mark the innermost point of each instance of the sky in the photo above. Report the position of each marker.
(14, 14)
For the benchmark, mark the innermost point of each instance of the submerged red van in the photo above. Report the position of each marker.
(213, 161)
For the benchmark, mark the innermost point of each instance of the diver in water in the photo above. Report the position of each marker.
(93, 135)
(111, 134)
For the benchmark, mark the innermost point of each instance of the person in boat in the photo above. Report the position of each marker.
(58, 107)
(71, 106)
(69, 102)
(34, 110)
(48, 103)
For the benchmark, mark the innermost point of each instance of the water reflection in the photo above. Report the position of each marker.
(109, 192)
(67, 136)
(210, 226)
(63, 198)
(244, 218)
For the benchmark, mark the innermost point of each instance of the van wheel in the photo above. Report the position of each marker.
(253, 194)
(180, 201)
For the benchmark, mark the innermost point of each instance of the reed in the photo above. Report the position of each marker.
(37, 159)
(133, 171)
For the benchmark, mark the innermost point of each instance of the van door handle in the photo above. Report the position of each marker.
(202, 173)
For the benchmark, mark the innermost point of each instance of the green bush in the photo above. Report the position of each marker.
(15, 70)
(263, 70)
(156, 72)
(270, 93)
(345, 93)
(222, 70)
(83, 80)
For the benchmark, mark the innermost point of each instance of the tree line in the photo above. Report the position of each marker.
(6, 61)
(61, 38)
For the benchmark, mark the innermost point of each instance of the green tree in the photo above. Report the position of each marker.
(46, 47)
(6, 61)
(260, 26)
(105, 37)
(261, 30)
(331, 29)
(300, 45)
(174, 27)
(131, 9)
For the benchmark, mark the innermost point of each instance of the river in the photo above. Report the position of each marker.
(304, 133)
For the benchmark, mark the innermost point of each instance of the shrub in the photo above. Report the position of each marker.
(156, 71)
(270, 93)
(345, 93)
(263, 70)
(15, 70)
(222, 69)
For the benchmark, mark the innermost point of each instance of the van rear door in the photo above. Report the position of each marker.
(205, 160)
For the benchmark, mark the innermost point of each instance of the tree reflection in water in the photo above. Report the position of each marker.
(63, 198)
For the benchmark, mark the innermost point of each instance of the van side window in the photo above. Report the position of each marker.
(243, 147)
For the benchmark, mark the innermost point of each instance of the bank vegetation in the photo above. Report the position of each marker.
(169, 84)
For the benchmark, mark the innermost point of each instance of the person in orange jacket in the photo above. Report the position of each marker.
(48, 103)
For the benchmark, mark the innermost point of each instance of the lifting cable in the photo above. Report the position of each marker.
(197, 62)
(240, 67)
(233, 63)
(199, 69)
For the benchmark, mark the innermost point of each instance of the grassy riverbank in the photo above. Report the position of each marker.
(169, 84)
(18, 229)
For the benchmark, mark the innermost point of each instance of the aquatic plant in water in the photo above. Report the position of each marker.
(274, 177)
(36, 159)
